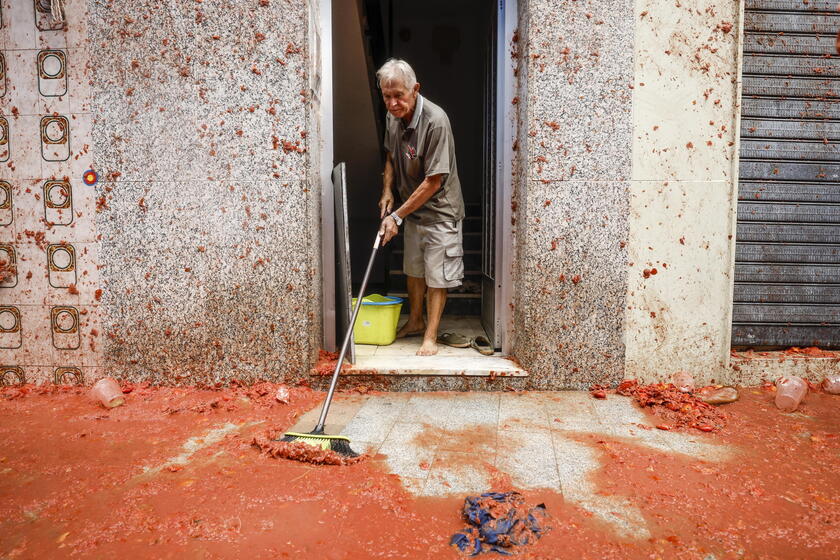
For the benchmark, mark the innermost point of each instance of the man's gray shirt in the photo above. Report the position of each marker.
(422, 148)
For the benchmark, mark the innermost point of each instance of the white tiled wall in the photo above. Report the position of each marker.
(50, 325)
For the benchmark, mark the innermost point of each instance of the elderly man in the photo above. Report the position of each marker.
(421, 165)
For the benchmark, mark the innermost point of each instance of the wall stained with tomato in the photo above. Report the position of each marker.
(207, 208)
(572, 190)
(680, 246)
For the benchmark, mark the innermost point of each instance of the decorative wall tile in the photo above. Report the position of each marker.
(11, 375)
(68, 375)
(33, 215)
(11, 328)
(83, 227)
(57, 196)
(24, 147)
(65, 327)
(6, 208)
(5, 140)
(50, 322)
(22, 87)
(79, 158)
(44, 20)
(19, 24)
(50, 34)
(31, 287)
(28, 209)
(30, 324)
(52, 72)
(83, 347)
(3, 88)
(55, 138)
(78, 281)
(76, 34)
(79, 76)
(61, 265)
(9, 266)
(52, 81)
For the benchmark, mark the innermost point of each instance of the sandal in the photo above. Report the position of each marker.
(483, 345)
(455, 340)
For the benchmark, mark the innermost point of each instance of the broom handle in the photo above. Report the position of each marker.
(322, 420)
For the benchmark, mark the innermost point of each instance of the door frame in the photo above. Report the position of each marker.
(507, 21)
(506, 24)
(326, 153)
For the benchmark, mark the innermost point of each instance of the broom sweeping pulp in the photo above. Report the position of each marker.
(317, 437)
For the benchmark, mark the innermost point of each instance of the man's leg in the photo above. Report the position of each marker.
(415, 323)
(415, 272)
(444, 265)
(435, 304)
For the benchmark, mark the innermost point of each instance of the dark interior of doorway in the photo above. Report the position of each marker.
(449, 44)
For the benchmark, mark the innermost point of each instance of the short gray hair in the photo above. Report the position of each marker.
(396, 70)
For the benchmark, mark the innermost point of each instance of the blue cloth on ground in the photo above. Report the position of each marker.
(499, 522)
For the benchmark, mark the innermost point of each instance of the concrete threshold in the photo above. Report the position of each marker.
(470, 366)
(751, 368)
(400, 357)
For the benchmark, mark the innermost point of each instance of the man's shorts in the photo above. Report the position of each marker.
(434, 252)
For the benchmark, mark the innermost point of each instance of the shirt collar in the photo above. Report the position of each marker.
(418, 108)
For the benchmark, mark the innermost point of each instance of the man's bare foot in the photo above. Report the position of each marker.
(411, 328)
(429, 347)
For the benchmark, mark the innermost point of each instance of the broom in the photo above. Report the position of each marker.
(317, 437)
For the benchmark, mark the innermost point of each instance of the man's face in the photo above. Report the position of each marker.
(399, 100)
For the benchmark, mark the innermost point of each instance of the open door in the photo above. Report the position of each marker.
(344, 296)
(454, 47)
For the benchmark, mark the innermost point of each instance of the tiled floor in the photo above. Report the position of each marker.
(469, 326)
(444, 443)
(400, 357)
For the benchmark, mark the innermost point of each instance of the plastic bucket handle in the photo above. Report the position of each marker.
(393, 300)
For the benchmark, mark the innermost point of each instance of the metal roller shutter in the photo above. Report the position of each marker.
(787, 260)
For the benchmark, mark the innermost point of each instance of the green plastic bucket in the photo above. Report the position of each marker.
(377, 320)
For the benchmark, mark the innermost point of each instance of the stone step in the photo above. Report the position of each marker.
(483, 366)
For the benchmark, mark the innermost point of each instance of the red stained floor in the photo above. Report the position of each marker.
(72, 484)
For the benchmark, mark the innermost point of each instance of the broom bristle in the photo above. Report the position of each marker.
(342, 447)
(339, 444)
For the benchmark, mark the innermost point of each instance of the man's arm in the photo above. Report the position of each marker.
(418, 198)
(386, 201)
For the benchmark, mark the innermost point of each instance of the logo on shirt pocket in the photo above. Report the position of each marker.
(64, 324)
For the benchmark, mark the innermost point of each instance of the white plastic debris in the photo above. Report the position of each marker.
(831, 384)
(789, 392)
(683, 381)
(282, 395)
(107, 391)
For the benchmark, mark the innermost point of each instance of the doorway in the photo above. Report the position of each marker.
(455, 50)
